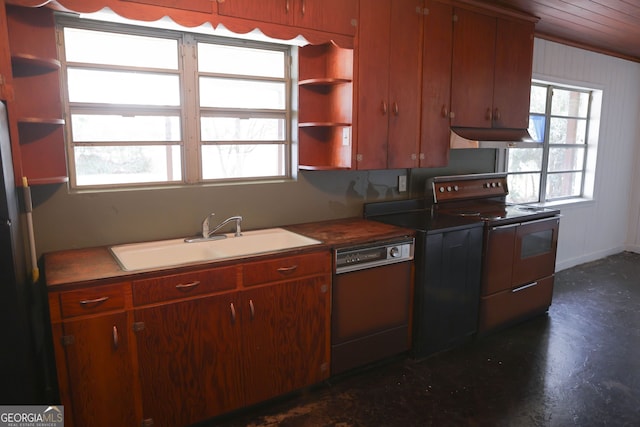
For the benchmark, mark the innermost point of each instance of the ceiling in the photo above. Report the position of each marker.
(607, 26)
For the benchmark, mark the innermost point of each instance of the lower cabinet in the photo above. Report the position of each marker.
(176, 349)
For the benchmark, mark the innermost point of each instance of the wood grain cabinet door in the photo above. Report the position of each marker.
(189, 359)
(472, 70)
(99, 365)
(513, 69)
(332, 16)
(285, 338)
(272, 11)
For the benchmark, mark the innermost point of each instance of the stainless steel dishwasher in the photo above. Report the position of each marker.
(371, 303)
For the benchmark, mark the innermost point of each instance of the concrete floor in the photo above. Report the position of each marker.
(577, 366)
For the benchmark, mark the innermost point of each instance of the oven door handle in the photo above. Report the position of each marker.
(504, 227)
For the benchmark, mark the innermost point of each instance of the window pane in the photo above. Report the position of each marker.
(569, 103)
(560, 185)
(237, 60)
(538, 101)
(567, 131)
(523, 188)
(114, 128)
(101, 165)
(566, 159)
(243, 161)
(123, 87)
(240, 129)
(97, 47)
(230, 93)
(525, 160)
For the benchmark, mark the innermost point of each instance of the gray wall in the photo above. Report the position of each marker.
(64, 220)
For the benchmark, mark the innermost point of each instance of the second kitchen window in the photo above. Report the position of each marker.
(147, 106)
(558, 168)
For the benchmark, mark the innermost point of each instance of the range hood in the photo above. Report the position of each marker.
(490, 138)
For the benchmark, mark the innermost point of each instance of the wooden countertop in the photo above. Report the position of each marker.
(83, 266)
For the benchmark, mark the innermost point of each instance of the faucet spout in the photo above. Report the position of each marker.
(207, 232)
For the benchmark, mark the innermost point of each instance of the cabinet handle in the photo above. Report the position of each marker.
(285, 270)
(496, 114)
(452, 115)
(116, 339)
(396, 110)
(489, 114)
(523, 287)
(252, 308)
(233, 313)
(286, 6)
(188, 285)
(445, 111)
(304, 7)
(384, 108)
(93, 301)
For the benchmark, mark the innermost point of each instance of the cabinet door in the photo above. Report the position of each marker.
(189, 360)
(373, 84)
(285, 331)
(99, 365)
(436, 84)
(472, 73)
(513, 67)
(333, 16)
(273, 11)
(405, 75)
(6, 92)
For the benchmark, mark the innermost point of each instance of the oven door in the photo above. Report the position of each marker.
(534, 257)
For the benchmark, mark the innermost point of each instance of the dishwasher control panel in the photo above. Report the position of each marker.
(373, 255)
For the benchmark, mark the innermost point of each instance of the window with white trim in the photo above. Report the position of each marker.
(556, 168)
(148, 106)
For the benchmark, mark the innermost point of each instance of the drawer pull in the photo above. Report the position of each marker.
(253, 309)
(188, 285)
(523, 287)
(286, 270)
(233, 313)
(116, 340)
(93, 301)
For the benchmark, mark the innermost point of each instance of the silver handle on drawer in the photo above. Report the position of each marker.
(116, 339)
(502, 227)
(285, 270)
(523, 287)
(188, 285)
(93, 301)
(253, 309)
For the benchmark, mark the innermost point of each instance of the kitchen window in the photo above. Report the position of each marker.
(559, 167)
(148, 106)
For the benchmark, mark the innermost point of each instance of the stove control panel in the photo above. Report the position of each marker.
(462, 187)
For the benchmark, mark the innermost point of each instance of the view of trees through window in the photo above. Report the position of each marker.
(156, 106)
(554, 170)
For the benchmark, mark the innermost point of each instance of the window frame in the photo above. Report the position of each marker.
(190, 144)
(589, 146)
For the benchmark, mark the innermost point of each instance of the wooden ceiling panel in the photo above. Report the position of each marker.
(607, 26)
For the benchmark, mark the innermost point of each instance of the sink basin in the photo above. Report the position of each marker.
(169, 253)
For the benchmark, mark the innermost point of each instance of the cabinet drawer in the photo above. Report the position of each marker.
(177, 286)
(93, 300)
(283, 268)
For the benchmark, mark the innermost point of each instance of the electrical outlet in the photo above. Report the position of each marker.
(402, 183)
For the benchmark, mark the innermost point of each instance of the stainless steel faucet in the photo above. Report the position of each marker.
(206, 232)
(209, 234)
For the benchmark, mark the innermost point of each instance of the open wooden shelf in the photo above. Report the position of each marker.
(24, 64)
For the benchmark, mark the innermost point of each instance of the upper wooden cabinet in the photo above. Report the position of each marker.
(491, 74)
(35, 114)
(388, 84)
(6, 89)
(436, 84)
(333, 16)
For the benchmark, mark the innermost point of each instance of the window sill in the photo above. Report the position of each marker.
(568, 203)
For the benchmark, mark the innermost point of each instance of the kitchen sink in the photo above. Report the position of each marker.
(169, 253)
